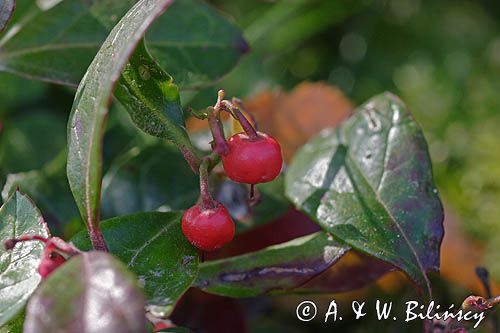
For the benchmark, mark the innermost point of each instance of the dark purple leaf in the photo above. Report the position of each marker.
(370, 184)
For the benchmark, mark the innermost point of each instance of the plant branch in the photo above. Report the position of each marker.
(217, 130)
(55, 242)
(190, 155)
(207, 164)
(235, 109)
(97, 239)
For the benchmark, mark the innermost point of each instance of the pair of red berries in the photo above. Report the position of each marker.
(248, 160)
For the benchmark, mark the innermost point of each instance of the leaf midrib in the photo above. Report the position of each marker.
(91, 45)
(391, 217)
(148, 242)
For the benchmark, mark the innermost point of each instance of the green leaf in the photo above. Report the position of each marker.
(92, 292)
(370, 184)
(275, 269)
(194, 42)
(154, 247)
(152, 99)
(151, 178)
(175, 330)
(51, 192)
(49, 188)
(6, 11)
(15, 325)
(24, 143)
(90, 108)
(58, 44)
(18, 275)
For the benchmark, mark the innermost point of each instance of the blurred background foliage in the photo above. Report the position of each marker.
(441, 57)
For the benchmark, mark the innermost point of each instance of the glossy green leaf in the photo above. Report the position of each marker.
(6, 11)
(275, 269)
(152, 178)
(370, 184)
(92, 292)
(193, 42)
(90, 108)
(152, 99)
(154, 247)
(18, 275)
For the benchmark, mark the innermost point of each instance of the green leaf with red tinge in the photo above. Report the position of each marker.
(275, 269)
(370, 184)
(18, 275)
(92, 292)
(90, 108)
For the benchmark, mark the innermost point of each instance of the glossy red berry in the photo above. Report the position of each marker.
(208, 229)
(252, 160)
(49, 262)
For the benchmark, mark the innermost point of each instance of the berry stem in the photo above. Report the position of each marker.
(207, 164)
(493, 301)
(52, 242)
(237, 105)
(217, 130)
(192, 159)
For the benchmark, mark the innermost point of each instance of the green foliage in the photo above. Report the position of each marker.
(18, 275)
(15, 325)
(151, 98)
(25, 144)
(148, 178)
(192, 41)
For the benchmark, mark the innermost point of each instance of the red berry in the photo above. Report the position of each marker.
(162, 325)
(208, 229)
(252, 160)
(49, 262)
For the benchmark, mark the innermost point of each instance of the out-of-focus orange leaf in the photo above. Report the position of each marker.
(295, 117)
(460, 256)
